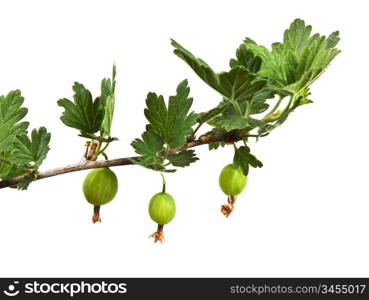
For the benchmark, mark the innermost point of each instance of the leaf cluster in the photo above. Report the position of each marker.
(19, 153)
(295, 63)
(92, 117)
(256, 77)
(168, 127)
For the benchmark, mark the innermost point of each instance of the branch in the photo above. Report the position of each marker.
(118, 161)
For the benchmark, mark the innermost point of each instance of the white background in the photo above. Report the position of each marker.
(305, 213)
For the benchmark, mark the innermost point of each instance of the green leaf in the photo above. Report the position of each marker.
(157, 114)
(32, 151)
(200, 67)
(174, 123)
(271, 65)
(27, 180)
(8, 168)
(107, 98)
(83, 114)
(160, 168)
(297, 62)
(239, 83)
(98, 138)
(333, 39)
(244, 159)
(258, 107)
(258, 101)
(90, 116)
(239, 86)
(247, 59)
(230, 122)
(149, 147)
(216, 145)
(299, 99)
(213, 113)
(183, 158)
(11, 113)
(179, 121)
(302, 97)
(106, 124)
(19, 153)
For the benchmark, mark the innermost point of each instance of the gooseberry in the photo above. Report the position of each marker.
(232, 181)
(162, 209)
(100, 187)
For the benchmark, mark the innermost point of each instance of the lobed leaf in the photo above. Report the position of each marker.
(174, 123)
(18, 152)
(183, 158)
(244, 159)
(247, 59)
(32, 151)
(8, 168)
(149, 147)
(213, 113)
(239, 82)
(83, 113)
(297, 62)
(200, 67)
(107, 98)
(180, 121)
(11, 114)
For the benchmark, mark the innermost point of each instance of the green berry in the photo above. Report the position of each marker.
(162, 208)
(232, 181)
(100, 186)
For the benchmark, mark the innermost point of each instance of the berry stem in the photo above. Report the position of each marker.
(101, 150)
(164, 182)
(105, 155)
(96, 214)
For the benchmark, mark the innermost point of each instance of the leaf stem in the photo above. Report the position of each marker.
(105, 155)
(97, 151)
(197, 128)
(284, 114)
(275, 106)
(102, 150)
